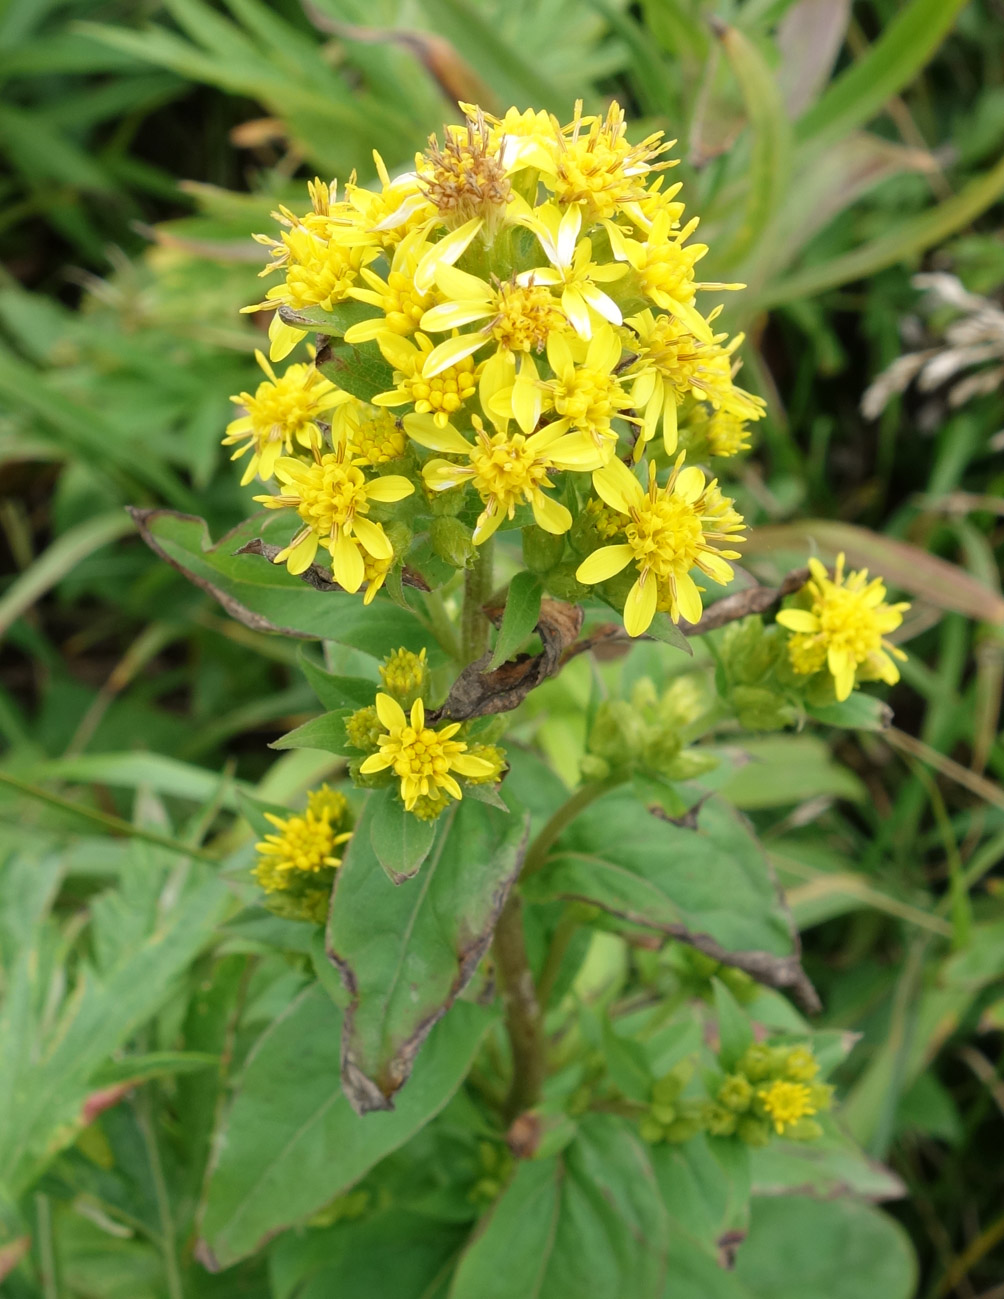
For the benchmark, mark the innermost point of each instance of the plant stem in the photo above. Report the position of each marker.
(523, 1018)
(564, 816)
(442, 628)
(561, 939)
(477, 591)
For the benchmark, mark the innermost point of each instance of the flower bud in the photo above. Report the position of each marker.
(405, 676)
(363, 729)
(451, 541)
(561, 582)
(759, 709)
(541, 550)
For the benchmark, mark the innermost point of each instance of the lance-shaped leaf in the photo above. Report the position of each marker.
(707, 884)
(401, 841)
(406, 952)
(291, 1142)
(588, 1222)
(264, 596)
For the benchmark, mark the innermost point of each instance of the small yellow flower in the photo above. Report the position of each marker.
(333, 496)
(673, 363)
(440, 396)
(373, 435)
(572, 268)
(727, 434)
(786, 1103)
(389, 213)
(585, 390)
(844, 628)
(421, 757)
(466, 178)
(597, 169)
(504, 470)
(305, 844)
(517, 317)
(670, 530)
(405, 675)
(282, 411)
(398, 298)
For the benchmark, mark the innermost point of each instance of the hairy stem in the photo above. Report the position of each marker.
(523, 1017)
(477, 591)
(564, 816)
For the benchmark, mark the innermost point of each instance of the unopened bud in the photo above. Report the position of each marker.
(451, 541)
(541, 549)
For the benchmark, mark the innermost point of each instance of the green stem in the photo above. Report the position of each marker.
(563, 817)
(523, 1018)
(46, 1247)
(442, 628)
(561, 940)
(477, 591)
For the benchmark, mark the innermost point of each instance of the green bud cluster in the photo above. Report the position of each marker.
(757, 678)
(672, 1117)
(495, 1166)
(772, 1089)
(642, 734)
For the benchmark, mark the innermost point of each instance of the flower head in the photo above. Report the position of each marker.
(668, 532)
(505, 470)
(283, 412)
(786, 1103)
(844, 628)
(305, 844)
(373, 435)
(424, 759)
(466, 178)
(442, 395)
(333, 497)
(405, 675)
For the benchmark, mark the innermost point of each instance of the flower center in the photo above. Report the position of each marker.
(666, 535)
(669, 269)
(467, 176)
(589, 397)
(403, 305)
(377, 438)
(848, 623)
(526, 315)
(335, 493)
(447, 392)
(305, 843)
(319, 273)
(787, 1102)
(423, 754)
(279, 410)
(505, 468)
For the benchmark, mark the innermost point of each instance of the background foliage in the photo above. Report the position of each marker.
(834, 149)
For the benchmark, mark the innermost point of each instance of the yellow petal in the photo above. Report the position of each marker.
(527, 396)
(550, 515)
(617, 485)
(390, 712)
(391, 487)
(424, 430)
(301, 556)
(639, 608)
(604, 563)
(450, 351)
(418, 715)
(469, 765)
(688, 599)
(444, 253)
(576, 312)
(670, 428)
(282, 338)
(347, 563)
(797, 620)
(375, 762)
(689, 484)
(373, 538)
(488, 522)
(441, 475)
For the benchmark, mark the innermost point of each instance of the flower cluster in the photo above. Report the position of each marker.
(524, 309)
(296, 865)
(428, 765)
(771, 1088)
(840, 624)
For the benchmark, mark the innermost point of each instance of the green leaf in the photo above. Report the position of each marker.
(712, 881)
(787, 769)
(265, 596)
(334, 322)
(770, 157)
(155, 1064)
(401, 841)
(394, 1253)
(589, 1222)
(831, 1165)
(663, 628)
(334, 691)
(860, 712)
(705, 1186)
(836, 1249)
(406, 953)
(361, 370)
(522, 610)
(326, 732)
(290, 1141)
(864, 89)
(734, 1030)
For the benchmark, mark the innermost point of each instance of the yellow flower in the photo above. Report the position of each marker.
(422, 758)
(671, 530)
(441, 395)
(844, 628)
(305, 844)
(466, 178)
(572, 267)
(332, 496)
(400, 301)
(282, 411)
(597, 169)
(321, 261)
(527, 139)
(390, 213)
(518, 317)
(373, 435)
(786, 1103)
(504, 470)
(585, 390)
(672, 363)
(727, 434)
